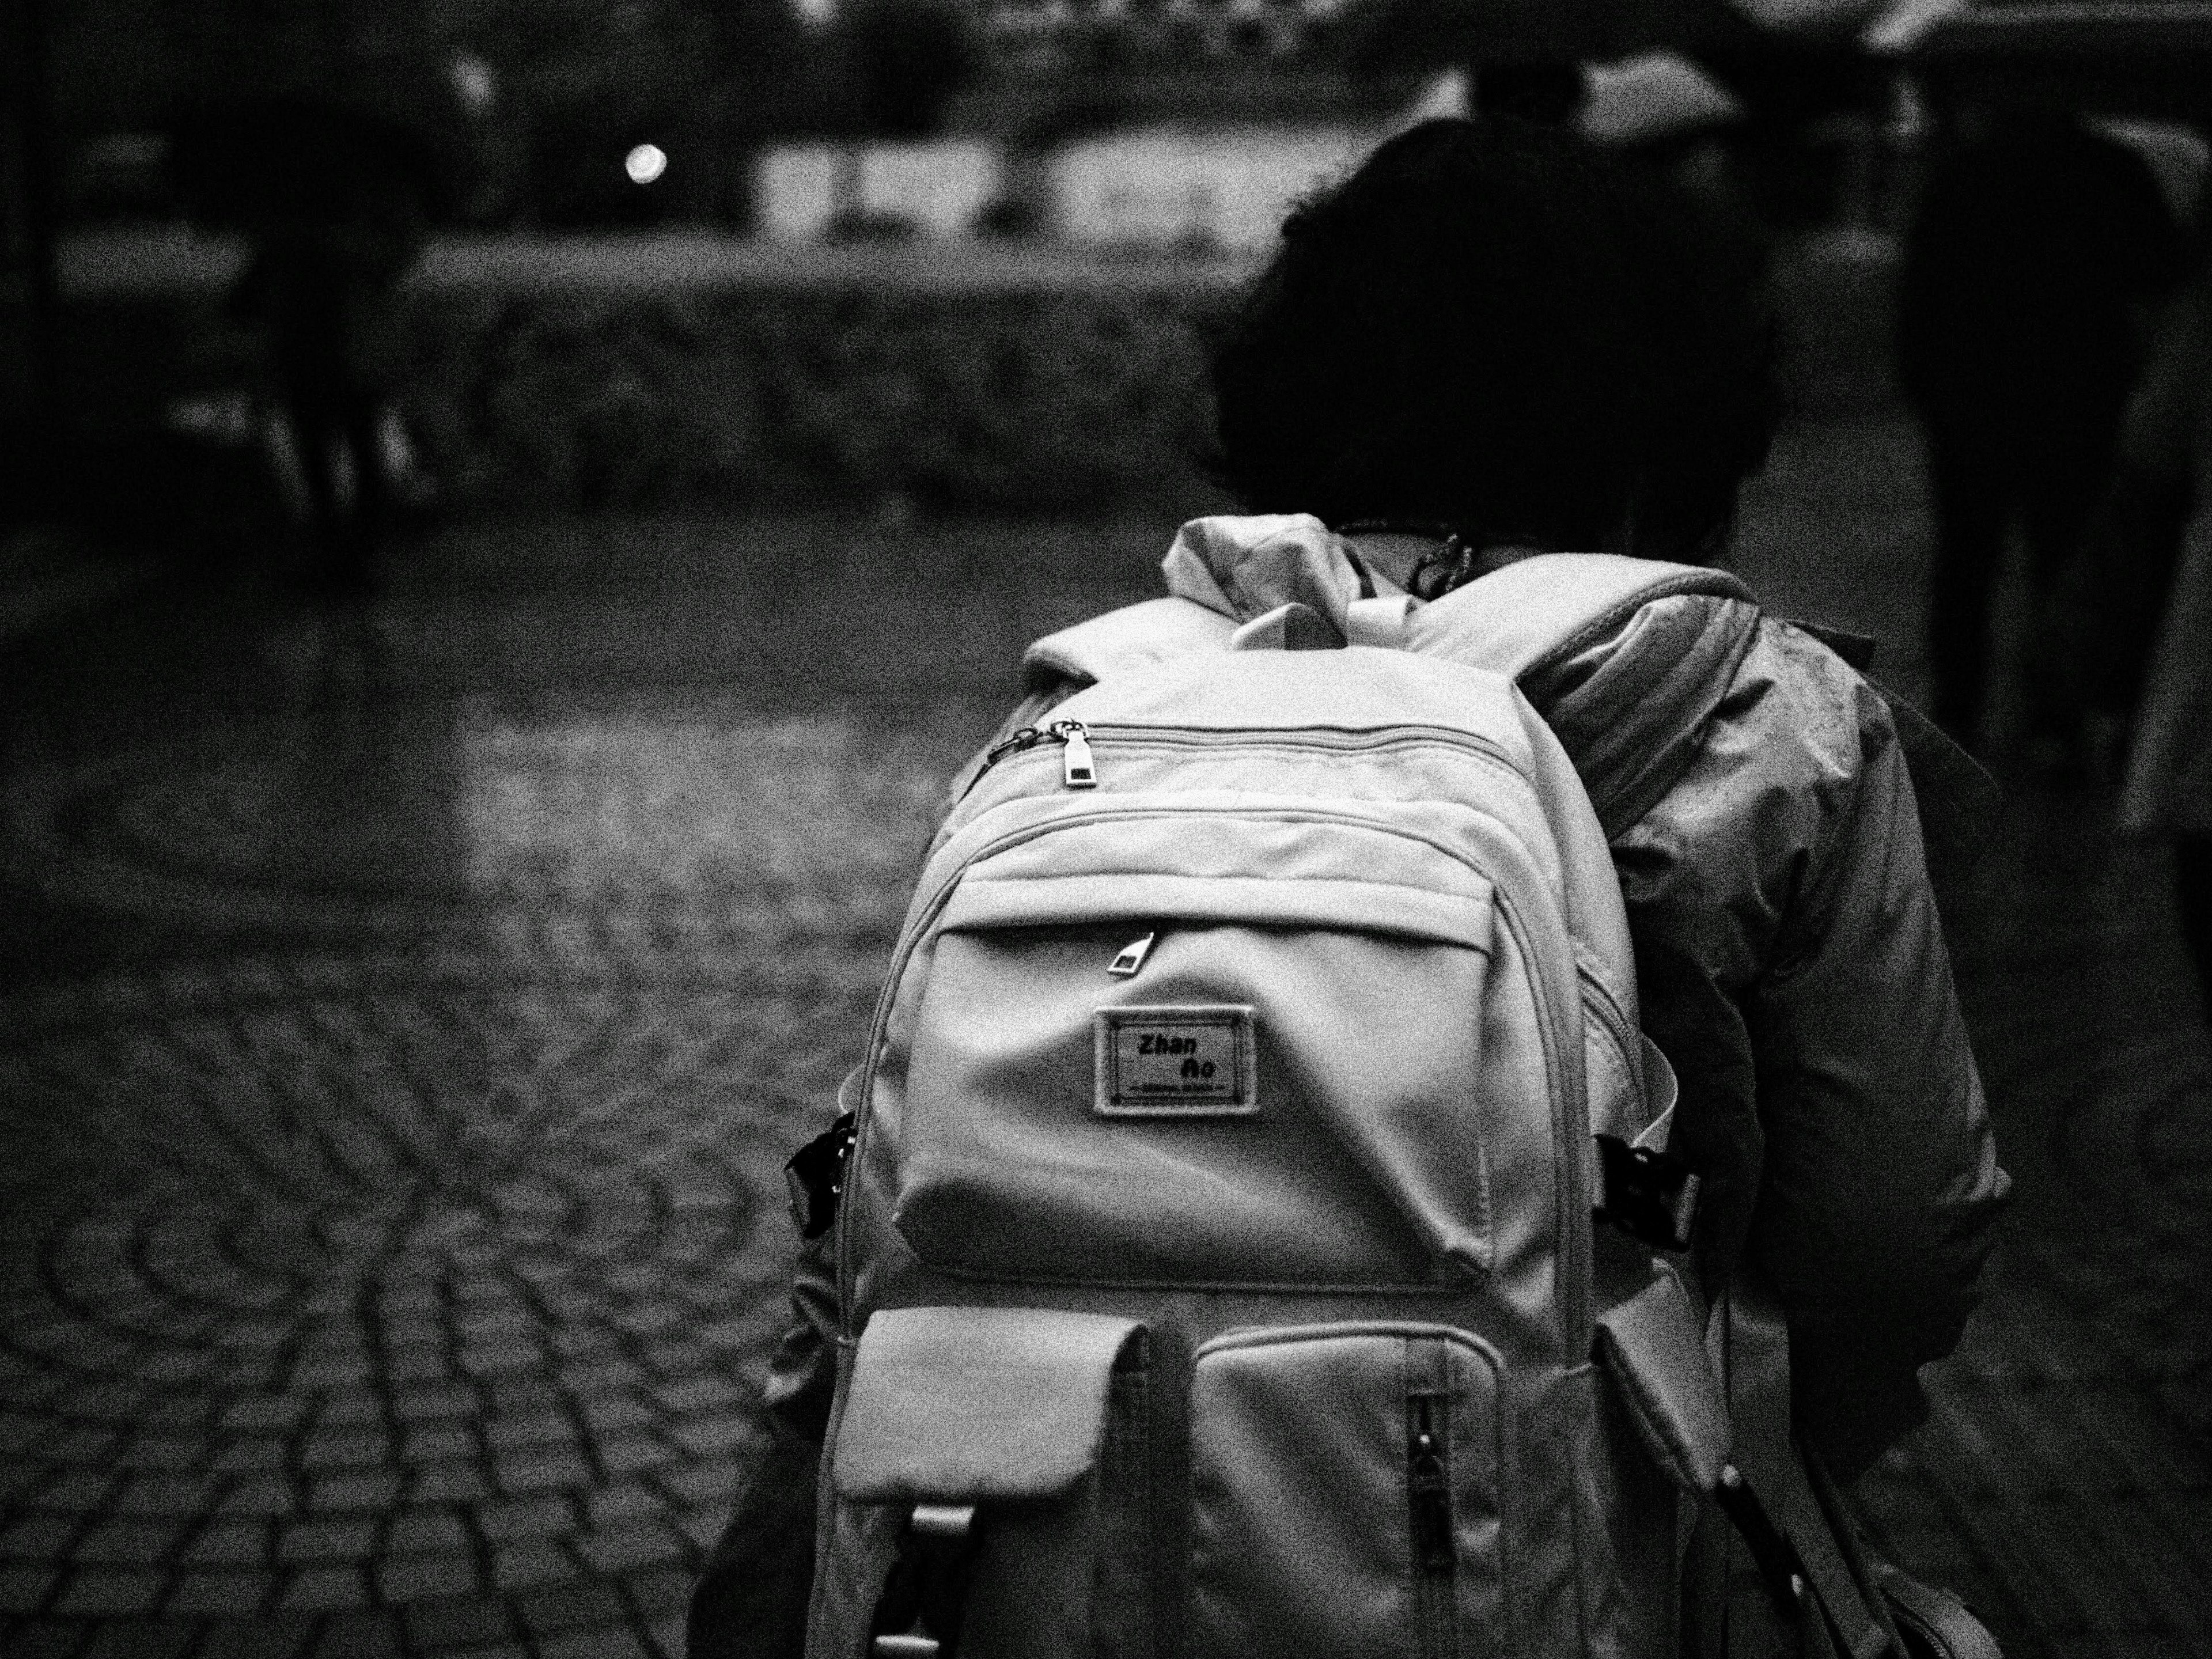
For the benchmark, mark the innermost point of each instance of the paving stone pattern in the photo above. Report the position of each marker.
(402, 1022)
(407, 1019)
(2063, 1485)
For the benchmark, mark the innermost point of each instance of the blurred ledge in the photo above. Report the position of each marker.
(147, 260)
(48, 574)
(152, 261)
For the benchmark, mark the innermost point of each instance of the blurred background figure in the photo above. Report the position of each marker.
(2159, 516)
(2115, 591)
(332, 202)
(2030, 269)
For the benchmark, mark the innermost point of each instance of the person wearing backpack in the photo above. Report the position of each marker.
(1266, 1213)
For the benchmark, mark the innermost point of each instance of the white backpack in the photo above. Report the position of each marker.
(1217, 1260)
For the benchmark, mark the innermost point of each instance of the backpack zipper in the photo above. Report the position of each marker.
(1080, 767)
(1575, 1243)
(1428, 1488)
(1076, 769)
(1429, 1499)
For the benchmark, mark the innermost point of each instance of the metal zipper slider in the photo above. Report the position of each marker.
(1132, 956)
(1077, 770)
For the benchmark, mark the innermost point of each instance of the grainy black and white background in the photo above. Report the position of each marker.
(407, 999)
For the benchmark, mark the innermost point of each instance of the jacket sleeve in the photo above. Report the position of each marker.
(749, 1602)
(1791, 964)
(802, 1373)
(1880, 1190)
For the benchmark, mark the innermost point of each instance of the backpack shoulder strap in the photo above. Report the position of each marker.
(1538, 609)
(1139, 636)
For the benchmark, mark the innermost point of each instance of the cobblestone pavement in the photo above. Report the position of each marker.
(400, 1037)
(401, 1023)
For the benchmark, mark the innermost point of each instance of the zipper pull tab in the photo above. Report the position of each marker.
(1132, 958)
(1077, 770)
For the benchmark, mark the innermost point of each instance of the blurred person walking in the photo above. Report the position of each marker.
(334, 202)
(2036, 252)
(325, 289)
(2167, 454)
(2115, 587)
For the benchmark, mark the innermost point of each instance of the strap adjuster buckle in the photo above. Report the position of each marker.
(814, 1176)
(919, 1616)
(1649, 1195)
(1771, 1553)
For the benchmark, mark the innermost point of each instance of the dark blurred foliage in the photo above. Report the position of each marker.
(1038, 400)
(574, 85)
(255, 161)
(901, 61)
(588, 80)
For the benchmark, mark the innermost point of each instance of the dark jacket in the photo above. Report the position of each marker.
(1790, 958)
(1791, 964)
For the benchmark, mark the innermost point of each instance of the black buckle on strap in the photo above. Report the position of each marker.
(815, 1176)
(926, 1594)
(1651, 1196)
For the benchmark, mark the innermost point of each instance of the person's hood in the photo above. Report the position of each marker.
(1244, 566)
(1628, 690)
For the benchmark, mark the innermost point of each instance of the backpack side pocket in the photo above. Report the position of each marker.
(989, 1464)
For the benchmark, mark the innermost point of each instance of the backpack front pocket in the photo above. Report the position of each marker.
(989, 1480)
(1207, 1048)
(1344, 1494)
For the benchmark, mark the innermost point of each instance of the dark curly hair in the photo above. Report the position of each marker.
(1491, 326)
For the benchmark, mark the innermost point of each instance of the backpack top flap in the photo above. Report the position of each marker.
(1533, 617)
(1140, 635)
(960, 1405)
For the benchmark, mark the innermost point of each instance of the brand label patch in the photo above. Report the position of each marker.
(1184, 1061)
